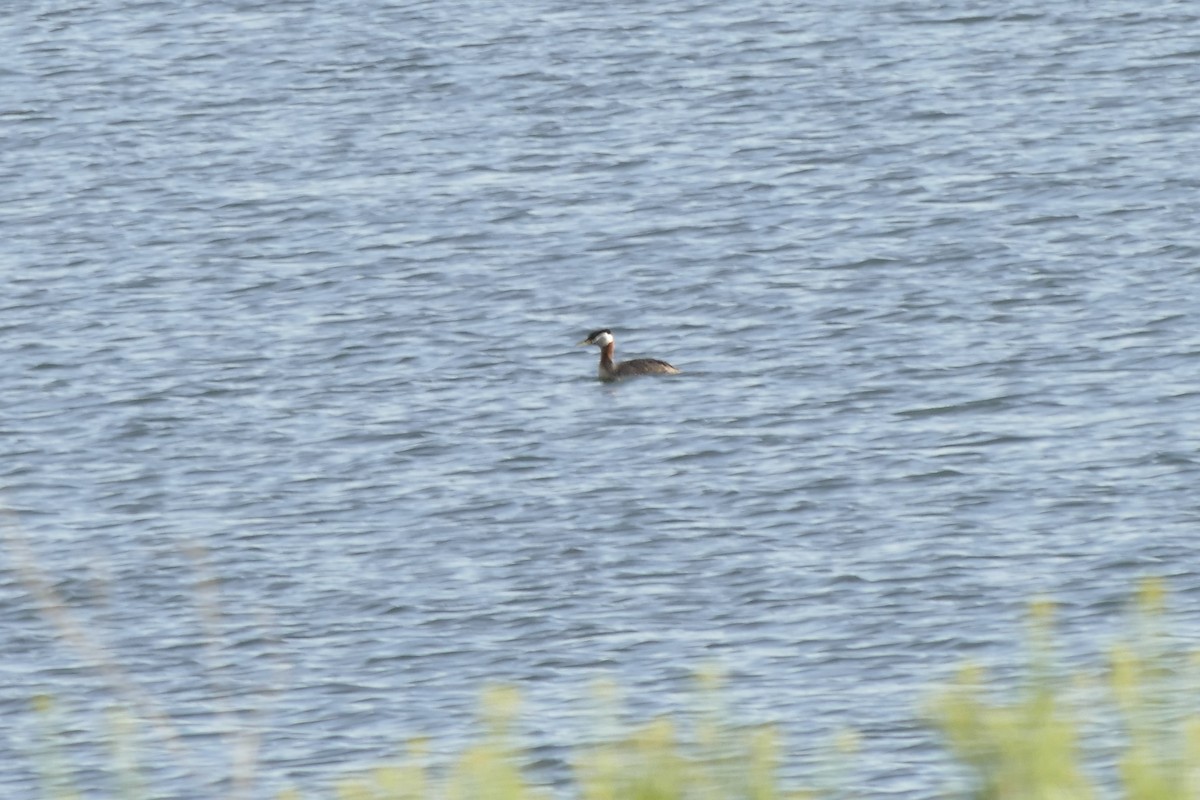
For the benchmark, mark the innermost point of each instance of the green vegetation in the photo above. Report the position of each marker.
(1131, 730)
(1137, 727)
(650, 762)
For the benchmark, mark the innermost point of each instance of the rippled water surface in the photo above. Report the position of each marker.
(291, 293)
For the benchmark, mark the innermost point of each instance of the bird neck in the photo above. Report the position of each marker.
(608, 370)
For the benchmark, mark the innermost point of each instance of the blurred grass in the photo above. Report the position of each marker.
(650, 761)
(1130, 730)
(1134, 735)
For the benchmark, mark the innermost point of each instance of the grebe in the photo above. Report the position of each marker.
(613, 371)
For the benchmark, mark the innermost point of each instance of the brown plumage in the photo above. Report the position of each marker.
(611, 370)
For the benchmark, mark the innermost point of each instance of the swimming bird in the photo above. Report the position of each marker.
(614, 371)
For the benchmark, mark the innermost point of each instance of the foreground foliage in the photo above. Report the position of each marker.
(1130, 731)
(650, 762)
(1134, 734)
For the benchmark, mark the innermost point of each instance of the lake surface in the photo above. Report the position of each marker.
(294, 426)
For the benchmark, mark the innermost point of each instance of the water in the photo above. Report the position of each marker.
(291, 293)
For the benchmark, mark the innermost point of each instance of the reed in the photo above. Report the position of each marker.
(1132, 732)
(703, 757)
(1130, 729)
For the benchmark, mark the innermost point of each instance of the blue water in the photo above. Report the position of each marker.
(295, 433)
